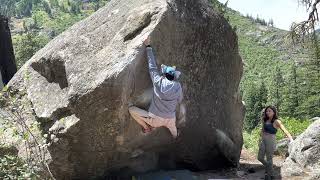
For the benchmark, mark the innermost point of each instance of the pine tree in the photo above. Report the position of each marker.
(270, 23)
(75, 7)
(278, 86)
(311, 103)
(292, 93)
(256, 101)
(7, 7)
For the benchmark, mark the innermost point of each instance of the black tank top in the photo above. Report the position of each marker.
(268, 128)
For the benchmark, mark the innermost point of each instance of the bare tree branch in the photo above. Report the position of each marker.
(300, 30)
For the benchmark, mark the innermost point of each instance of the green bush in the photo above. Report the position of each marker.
(294, 126)
(26, 45)
(15, 130)
(11, 167)
(63, 21)
(251, 139)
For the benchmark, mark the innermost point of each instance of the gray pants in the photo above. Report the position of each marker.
(266, 149)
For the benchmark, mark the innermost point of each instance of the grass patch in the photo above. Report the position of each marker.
(294, 126)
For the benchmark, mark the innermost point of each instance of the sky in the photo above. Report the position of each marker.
(283, 12)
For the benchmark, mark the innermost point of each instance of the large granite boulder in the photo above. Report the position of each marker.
(304, 153)
(81, 83)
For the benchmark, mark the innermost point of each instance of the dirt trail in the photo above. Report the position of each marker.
(250, 168)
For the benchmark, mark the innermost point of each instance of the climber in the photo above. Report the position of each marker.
(167, 93)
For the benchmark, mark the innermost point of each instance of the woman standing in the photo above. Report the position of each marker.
(271, 124)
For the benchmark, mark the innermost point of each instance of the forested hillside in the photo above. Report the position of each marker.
(35, 22)
(276, 70)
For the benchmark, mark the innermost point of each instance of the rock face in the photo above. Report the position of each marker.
(304, 153)
(282, 147)
(80, 85)
(7, 61)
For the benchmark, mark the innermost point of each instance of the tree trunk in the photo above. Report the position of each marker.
(7, 61)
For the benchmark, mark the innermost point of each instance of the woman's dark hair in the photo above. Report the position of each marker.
(275, 116)
(169, 76)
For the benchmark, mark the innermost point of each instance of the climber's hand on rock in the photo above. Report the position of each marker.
(290, 140)
(290, 145)
(147, 41)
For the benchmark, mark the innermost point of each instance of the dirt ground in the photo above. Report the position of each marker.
(250, 168)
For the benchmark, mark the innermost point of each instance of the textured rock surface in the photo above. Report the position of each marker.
(304, 153)
(80, 85)
(282, 147)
